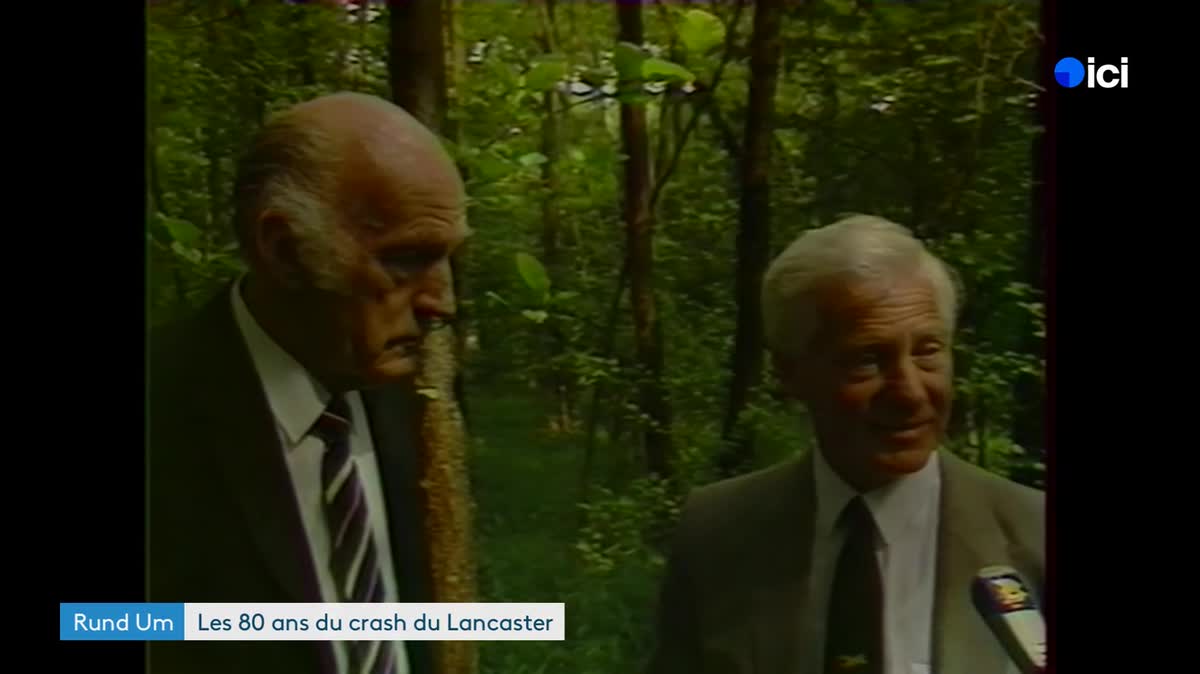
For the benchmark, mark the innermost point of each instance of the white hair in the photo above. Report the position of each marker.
(292, 169)
(858, 247)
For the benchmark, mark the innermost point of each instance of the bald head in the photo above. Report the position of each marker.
(359, 123)
(347, 210)
(313, 165)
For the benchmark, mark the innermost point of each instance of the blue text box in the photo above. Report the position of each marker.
(120, 622)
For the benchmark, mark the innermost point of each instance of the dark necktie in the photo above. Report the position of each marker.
(354, 560)
(854, 637)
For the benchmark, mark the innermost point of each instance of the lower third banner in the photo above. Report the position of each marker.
(311, 622)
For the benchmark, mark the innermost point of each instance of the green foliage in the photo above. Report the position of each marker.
(700, 31)
(545, 72)
(920, 114)
(658, 69)
(627, 59)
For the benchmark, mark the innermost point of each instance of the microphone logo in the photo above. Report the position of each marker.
(1009, 594)
(1010, 609)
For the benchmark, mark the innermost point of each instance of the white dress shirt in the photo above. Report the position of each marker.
(906, 514)
(297, 401)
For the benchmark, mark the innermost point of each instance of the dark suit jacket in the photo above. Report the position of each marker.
(734, 595)
(223, 524)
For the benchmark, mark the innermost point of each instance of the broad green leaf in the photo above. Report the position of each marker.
(700, 31)
(627, 59)
(537, 316)
(489, 167)
(181, 230)
(533, 273)
(532, 159)
(546, 72)
(660, 69)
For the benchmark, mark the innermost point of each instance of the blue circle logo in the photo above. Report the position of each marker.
(1068, 72)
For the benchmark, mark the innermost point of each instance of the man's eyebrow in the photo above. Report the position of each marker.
(428, 236)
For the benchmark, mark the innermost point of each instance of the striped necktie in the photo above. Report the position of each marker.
(354, 561)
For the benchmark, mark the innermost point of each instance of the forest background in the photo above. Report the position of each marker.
(632, 168)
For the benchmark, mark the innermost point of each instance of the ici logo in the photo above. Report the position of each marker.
(1070, 73)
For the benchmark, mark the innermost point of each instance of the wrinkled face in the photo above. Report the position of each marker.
(403, 221)
(877, 379)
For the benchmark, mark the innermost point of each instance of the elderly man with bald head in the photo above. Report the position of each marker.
(858, 556)
(281, 464)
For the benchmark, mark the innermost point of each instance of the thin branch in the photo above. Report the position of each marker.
(699, 108)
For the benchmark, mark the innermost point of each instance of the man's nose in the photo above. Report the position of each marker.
(904, 386)
(435, 295)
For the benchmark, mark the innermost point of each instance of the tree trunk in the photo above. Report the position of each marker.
(598, 389)
(416, 60)
(639, 230)
(452, 131)
(551, 220)
(754, 233)
(559, 382)
(550, 144)
(1034, 406)
(416, 71)
(456, 54)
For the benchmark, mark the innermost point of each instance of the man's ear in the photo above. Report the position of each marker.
(275, 245)
(787, 369)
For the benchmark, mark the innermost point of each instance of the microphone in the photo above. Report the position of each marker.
(1007, 605)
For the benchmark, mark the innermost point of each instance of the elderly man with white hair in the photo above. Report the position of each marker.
(860, 555)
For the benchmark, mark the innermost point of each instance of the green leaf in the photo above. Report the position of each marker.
(533, 273)
(181, 230)
(546, 72)
(532, 159)
(627, 59)
(537, 316)
(700, 31)
(490, 167)
(430, 393)
(190, 254)
(660, 69)
(496, 297)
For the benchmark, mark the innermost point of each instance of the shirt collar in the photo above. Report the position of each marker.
(904, 503)
(295, 397)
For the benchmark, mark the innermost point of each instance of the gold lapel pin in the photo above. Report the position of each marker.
(851, 661)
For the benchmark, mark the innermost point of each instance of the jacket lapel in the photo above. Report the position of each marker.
(246, 443)
(782, 586)
(969, 539)
(393, 414)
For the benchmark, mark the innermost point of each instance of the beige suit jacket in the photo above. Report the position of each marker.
(734, 594)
